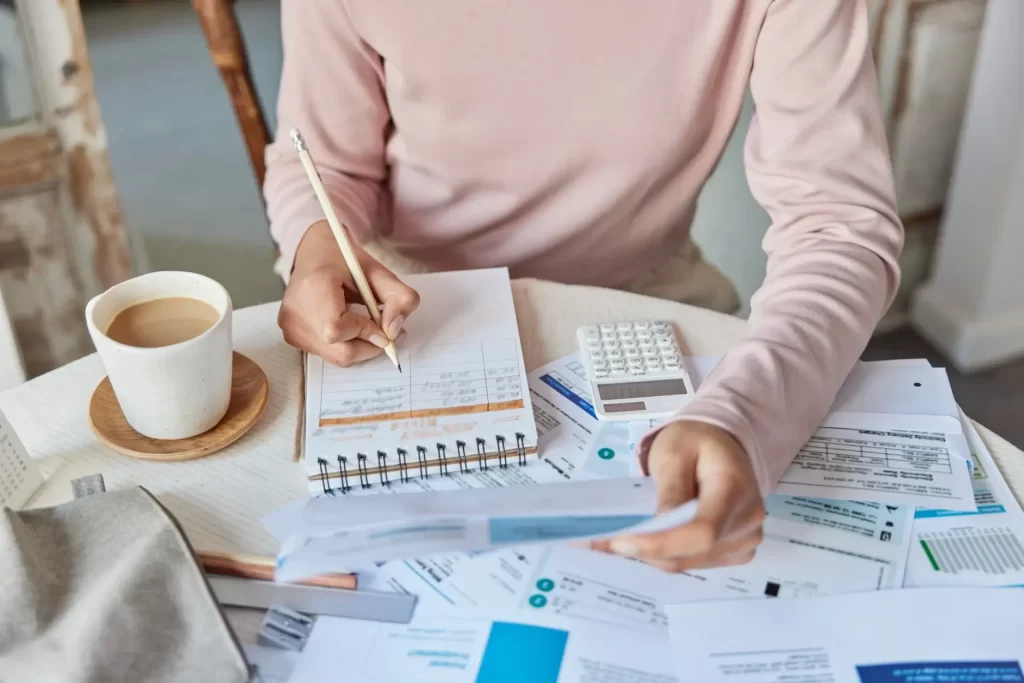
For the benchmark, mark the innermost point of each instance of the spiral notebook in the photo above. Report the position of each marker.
(460, 403)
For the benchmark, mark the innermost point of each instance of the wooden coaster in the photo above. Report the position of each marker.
(249, 392)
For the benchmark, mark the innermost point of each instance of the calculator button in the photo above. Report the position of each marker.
(599, 364)
(600, 374)
(627, 335)
(650, 353)
(631, 353)
(629, 344)
(614, 353)
(611, 343)
(617, 363)
(618, 371)
(608, 327)
(642, 325)
(671, 366)
(667, 358)
(643, 334)
(591, 333)
(624, 327)
(666, 342)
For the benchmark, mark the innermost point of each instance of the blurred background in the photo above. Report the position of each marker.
(122, 150)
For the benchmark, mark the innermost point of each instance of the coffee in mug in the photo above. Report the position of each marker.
(165, 341)
(162, 322)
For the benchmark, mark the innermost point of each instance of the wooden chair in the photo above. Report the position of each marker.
(227, 48)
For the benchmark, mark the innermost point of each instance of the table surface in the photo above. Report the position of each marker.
(49, 413)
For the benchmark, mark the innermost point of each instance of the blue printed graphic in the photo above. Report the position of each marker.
(942, 672)
(605, 453)
(546, 585)
(519, 653)
(534, 529)
(575, 398)
(982, 510)
(538, 600)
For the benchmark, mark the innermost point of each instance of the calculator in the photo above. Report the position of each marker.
(635, 369)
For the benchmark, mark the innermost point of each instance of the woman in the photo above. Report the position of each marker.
(568, 140)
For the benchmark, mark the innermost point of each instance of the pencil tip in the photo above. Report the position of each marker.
(399, 367)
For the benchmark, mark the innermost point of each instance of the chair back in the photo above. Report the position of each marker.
(227, 49)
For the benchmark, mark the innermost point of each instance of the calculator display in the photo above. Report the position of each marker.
(624, 390)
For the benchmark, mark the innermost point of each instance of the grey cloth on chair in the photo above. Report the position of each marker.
(106, 588)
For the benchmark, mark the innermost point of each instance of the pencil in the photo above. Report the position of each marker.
(339, 235)
(262, 569)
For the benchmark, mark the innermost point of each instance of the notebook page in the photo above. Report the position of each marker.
(19, 476)
(463, 378)
(219, 499)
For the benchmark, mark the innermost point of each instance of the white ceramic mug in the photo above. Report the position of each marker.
(167, 392)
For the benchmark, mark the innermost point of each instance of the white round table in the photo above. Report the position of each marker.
(49, 414)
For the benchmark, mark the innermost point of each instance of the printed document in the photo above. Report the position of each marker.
(572, 439)
(481, 645)
(337, 533)
(981, 548)
(907, 636)
(893, 437)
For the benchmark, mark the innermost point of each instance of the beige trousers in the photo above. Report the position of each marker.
(686, 278)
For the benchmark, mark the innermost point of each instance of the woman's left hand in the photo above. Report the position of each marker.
(689, 460)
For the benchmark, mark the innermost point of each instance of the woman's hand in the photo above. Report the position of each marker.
(314, 311)
(697, 460)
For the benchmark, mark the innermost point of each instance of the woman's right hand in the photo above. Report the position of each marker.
(314, 312)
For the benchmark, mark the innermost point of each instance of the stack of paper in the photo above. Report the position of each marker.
(895, 489)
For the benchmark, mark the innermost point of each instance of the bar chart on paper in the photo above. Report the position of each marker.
(994, 550)
(439, 380)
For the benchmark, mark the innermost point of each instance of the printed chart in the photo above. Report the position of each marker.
(994, 550)
(446, 379)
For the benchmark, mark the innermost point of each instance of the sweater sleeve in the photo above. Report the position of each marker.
(332, 91)
(817, 161)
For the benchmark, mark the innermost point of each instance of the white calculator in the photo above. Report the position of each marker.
(635, 369)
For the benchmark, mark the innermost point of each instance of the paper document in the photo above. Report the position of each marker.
(907, 636)
(490, 579)
(564, 414)
(823, 547)
(985, 547)
(481, 645)
(461, 393)
(337, 533)
(903, 457)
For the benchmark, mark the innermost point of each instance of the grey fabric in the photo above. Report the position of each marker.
(87, 486)
(106, 588)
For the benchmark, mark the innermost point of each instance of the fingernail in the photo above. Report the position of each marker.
(624, 547)
(378, 341)
(396, 326)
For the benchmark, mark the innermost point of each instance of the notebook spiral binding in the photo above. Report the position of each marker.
(422, 466)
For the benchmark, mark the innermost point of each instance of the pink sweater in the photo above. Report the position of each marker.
(569, 140)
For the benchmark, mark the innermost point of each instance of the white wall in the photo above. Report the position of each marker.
(973, 306)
